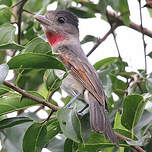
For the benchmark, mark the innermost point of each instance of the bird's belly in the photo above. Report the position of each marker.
(72, 86)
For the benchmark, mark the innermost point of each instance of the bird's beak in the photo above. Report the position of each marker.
(42, 19)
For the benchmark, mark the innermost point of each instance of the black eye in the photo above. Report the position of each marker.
(61, 20)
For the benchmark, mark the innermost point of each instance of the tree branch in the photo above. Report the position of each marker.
(102, 39)
(143, 38)
(20, 20)
(124, 138)
(18, 3)
(30, 96)
(117, 18)
(114, 35)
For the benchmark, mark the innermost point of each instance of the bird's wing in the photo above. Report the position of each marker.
(83, 72)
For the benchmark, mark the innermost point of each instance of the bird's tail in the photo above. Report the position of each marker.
(99, 121)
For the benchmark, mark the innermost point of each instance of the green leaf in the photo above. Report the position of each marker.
(2, 56)
(6, 2)
(30, 79)
(34, 5)
(70, 124)
(85, 127)
(12, 46)
(7, 37)
(133, 107)
(35, 138)
(68, 145)
(89, 38)
(117, 124)
(4, 89)
(149, 83)
(126, 133)
(56, 144)
(150, 55)
(82, 13)
(118, 86)
(119, 6)
(106, 81)
(35, 61)
(13, 103)
(10, 122)
(105, 62)
(51, 80)
(5, 14)
(53, 128)
(37, 45)
(125, 13)
(97, 142)
(3, 72)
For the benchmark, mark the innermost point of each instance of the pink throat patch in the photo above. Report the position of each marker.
(54, 38)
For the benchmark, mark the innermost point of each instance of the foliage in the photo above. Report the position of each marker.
(34, 66)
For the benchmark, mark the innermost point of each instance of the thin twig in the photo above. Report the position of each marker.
(114, 35)
(30, 96)
(20, 11)
(124, 138)
(28, 12)
(18, 3)
(143, 38)
(101, 40)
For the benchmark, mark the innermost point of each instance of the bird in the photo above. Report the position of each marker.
(62, 32)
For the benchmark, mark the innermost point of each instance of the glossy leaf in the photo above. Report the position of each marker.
(35, 138)
(117, 124)
(51, 80)
(13, 103)
(70, 124)
(6, 2)
(4, 89)
(85, 127)
(81, 13)
(37, 45)
(106, 81)
(35, 61)
(2, 57)
(5, 14)
(34, 5)
(133, 107)
(89, 38)
(105, 62)
(53, 128)
(56, 144)
(118, 86)
(10, 122)
(7, 37)
(68, 145)
(3, 72)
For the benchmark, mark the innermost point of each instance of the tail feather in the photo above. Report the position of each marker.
(99, 121)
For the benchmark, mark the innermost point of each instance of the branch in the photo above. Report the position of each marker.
(30, 96)
(143, 39)
(121, 137)
(117, 18)
(114, 35)
(20, 11)
(18, 3)
(102, 39)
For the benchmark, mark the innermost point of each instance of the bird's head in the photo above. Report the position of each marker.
(59, 25)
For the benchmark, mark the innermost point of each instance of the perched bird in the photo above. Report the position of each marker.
(62, 32)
